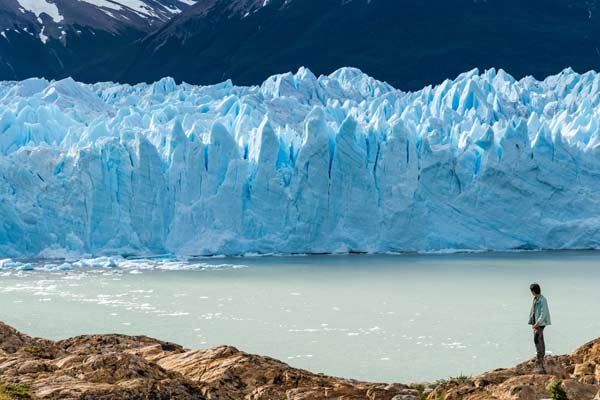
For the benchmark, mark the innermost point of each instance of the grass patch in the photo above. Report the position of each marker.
(31, 349)
(15, 391)
(421, 390)
(460, 378)
(557, 392)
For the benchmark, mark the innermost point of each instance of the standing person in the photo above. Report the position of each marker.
(539, 318)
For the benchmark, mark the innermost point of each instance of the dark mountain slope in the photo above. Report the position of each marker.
(407, 43)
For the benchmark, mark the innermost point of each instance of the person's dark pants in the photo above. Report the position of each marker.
(540, 346)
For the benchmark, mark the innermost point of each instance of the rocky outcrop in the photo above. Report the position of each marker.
(124, 367)
(110, 367)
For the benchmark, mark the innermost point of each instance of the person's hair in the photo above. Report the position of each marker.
(535, 288)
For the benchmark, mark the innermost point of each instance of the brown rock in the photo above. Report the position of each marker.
(580, 390)
(108, 367)
(226, 373)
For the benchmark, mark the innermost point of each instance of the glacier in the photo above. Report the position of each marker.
(300, 164)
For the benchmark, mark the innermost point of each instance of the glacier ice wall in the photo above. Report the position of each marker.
(300, 164)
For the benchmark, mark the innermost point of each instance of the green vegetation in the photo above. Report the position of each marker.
(421, 389)
(460, 378)
(31, 349)
(422, 395)
(557, 392)
(15, 391)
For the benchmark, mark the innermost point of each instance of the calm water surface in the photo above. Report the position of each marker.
(382, 318)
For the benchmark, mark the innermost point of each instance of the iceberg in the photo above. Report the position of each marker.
(300, 164)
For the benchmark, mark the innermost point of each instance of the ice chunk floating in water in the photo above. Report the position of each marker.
(300, 164)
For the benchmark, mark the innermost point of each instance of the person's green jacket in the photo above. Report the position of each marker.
(542, 314)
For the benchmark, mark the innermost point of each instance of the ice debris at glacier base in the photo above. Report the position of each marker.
(117, 263)
(300, 164)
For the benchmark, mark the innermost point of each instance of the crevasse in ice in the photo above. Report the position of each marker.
(300, 164)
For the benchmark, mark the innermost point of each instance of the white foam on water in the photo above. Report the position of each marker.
(117, 264)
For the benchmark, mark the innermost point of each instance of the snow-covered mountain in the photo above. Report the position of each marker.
(300, 164)
(48, 17)
(58, 38)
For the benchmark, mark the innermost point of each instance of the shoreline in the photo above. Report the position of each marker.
(118, 367)
(180, 263)
(182, 257)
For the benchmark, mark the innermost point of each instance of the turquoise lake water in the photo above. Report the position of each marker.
(392, 318)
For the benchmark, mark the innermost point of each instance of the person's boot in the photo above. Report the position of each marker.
(539, 367)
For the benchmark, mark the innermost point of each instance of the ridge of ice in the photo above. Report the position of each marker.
(300, 164)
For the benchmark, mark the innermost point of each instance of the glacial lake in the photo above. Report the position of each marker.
(392, 318)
